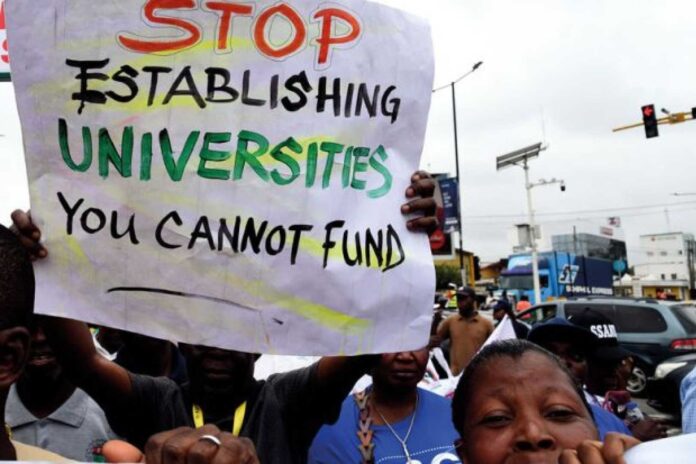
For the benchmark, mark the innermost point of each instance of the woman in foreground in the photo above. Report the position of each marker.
(517, 403)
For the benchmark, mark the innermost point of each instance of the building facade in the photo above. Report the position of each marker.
(590, 245)
(667, 257)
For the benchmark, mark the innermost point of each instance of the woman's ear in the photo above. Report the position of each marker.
(14, 352)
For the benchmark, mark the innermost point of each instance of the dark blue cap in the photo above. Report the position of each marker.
(558, 329)
(466, 291)
(502, 304)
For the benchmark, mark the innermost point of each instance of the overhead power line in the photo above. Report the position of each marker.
(586, 211)
(570, 220)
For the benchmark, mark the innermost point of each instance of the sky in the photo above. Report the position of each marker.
(562, 72)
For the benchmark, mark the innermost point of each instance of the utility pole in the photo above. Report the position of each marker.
(690, 250)
(575, 252)
(456, 163)
(521, 158)
(459, 197)
(532, 224)
(532, 233)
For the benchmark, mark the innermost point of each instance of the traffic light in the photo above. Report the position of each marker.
(693, 113)
(650, 121)
(477, 268)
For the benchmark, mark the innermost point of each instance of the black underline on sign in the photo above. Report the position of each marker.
(181, 294)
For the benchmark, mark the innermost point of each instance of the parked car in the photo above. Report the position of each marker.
(653, 330)
(663, 387)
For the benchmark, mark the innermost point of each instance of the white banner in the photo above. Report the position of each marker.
(504, 331)
(228, 173)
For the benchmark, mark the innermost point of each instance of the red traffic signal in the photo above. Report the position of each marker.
(650, 121)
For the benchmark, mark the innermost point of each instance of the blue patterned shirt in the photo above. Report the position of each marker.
(688, 400)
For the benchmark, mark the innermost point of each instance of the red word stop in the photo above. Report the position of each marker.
(191, 33)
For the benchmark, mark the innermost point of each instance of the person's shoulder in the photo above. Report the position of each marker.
(301, 374)
(437, 410)
(16, 413)
(95, 413)
(349, 411)
(148, 381)
(690, 378)
(350, 403)
(158, 389)
(335, 443)
(437, 407)
(349, 416)
(287, 387)
(688, 384)
(338, 440)
(607, 422)
(32, 453)
(433, 399)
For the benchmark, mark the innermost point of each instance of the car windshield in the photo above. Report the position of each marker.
(686, 313)
(523, 282)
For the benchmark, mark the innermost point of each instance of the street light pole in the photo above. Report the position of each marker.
(459, 206)
(521, 158)
(532, 234)
(456, 162)
(532, 225)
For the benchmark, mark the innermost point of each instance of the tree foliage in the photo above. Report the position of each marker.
(446, 274)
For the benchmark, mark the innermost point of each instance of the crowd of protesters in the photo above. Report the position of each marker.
(88, 394)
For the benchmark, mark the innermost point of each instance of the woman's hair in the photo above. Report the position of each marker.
(514, 349)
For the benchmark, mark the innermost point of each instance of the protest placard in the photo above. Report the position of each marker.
(228, 173)
(680, 448)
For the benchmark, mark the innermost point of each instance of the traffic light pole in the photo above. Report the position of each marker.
(674, 118)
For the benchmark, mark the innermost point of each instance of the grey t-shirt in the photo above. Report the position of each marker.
(76, 430)
(283, 413)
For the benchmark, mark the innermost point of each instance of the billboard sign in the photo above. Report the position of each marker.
(4, 53)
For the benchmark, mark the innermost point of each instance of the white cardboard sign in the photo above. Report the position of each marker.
(228, 173)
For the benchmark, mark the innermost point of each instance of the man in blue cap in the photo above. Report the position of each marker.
(609, 368)
(573, 344)
(586, 343)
